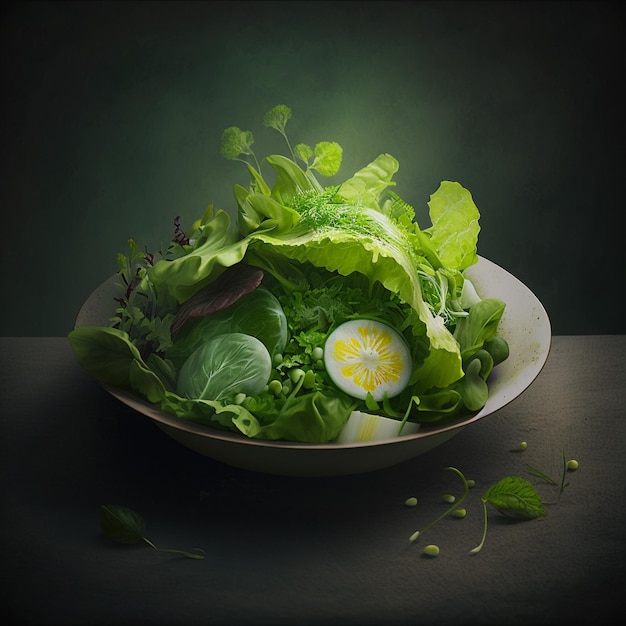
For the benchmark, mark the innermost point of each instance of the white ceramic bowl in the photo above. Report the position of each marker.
(525, 325)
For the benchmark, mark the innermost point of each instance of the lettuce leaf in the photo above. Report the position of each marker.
(218, 249)
(455, 227)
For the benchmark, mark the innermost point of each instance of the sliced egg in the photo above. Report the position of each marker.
(366, 356)
(365, 427)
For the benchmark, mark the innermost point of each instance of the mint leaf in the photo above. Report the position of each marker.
(121, 524)
(515, 497)
(126, 526)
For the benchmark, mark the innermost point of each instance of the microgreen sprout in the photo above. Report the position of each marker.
(449, 510)
(236, 142)
(277, 118)
(543, 476)
(540, 474)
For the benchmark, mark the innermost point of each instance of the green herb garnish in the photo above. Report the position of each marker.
(126, 526)
(514, 497)
(511, 496)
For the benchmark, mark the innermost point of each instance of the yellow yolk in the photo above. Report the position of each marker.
(365, 356)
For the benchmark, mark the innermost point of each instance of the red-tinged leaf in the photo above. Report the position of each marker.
(234, 283)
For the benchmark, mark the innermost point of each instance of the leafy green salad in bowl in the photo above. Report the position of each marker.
(318, 316)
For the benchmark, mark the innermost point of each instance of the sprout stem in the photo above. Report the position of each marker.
(450, 509)
(479, 547)
(198, 554)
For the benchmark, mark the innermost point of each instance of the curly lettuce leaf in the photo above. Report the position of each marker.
(455, 226)
(386, 261)
(217, 249)
(367, 185)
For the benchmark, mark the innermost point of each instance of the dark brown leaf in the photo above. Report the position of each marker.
(232, 284)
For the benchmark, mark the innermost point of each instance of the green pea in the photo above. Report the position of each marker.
(275, 387)
(522, 446)
(410, 501)
(471, 483)
(431, 550)
(572, 465)
(239, 398)
(317, 354)
(447, 497)
(460, 513)
(277, 359)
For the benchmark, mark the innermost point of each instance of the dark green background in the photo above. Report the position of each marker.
(112, 115)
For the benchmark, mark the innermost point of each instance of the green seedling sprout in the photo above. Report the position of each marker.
(449, 510)
(236, 142)
(567, 465)
(277, 118)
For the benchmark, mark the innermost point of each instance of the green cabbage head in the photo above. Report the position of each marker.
(225, 366)
(258, 313)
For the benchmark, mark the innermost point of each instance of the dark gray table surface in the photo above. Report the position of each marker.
(284, 550)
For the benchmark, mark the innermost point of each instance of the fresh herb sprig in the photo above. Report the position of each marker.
(126, 526)
(539, 474)
(514, 497)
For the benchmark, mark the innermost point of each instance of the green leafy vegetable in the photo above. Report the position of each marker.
(235, 282)
(454, 232)
(126, 526)
(122, 524)
(328, 156)
(225, 366)
(515, 497)
(258, 313)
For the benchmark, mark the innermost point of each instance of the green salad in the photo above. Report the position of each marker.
(316, 302)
